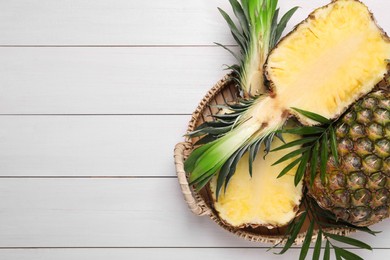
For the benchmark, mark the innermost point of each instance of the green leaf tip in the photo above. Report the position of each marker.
(313, 116)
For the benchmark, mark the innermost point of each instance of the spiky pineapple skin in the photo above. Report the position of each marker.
(357, 190)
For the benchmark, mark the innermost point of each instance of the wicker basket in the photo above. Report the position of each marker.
(200, 203)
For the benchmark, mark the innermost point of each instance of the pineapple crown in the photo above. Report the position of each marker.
(257, 33)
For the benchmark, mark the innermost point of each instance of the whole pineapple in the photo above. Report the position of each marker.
(357, 190)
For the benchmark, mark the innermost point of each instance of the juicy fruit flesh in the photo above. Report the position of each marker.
(336, 56)
(358, 190)
(264, 199)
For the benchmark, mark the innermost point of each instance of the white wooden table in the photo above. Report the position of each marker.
(94, 94)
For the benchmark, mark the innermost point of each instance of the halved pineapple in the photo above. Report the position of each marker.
(330, 60)
(264, 199)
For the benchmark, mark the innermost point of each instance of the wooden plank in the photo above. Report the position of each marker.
(122, 22)
(89, 145)
(107, 80)
(166, 254)
(112, 213)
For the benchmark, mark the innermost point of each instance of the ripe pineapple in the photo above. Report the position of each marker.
(258, 198)
(334, 57)
(263, 199)
(357, 190)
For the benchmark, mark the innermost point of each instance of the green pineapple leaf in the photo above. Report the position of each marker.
(305, 130)
(190, 163)
(292, 235)
(240, 39)
(348, 240)
(313, 116)
(317, 247)
(289, 167)
(206, 139)
(291, 155)
(230, 51)
(273, 39)
(252, 155)
(340, 223)
(203, 182)
(342, 253)
(337, 254)
(301, 168)
(333, 144)
(283, 23)
(240, 14)
(240, 153)
(301, 141)
(257, 145)
(279, 135)
(267, 143)
(364, 229)
(323, 156)
(236, 69)
(313, 162)
(306, 242)
(327, 250)
(224, 171)
(211, 131)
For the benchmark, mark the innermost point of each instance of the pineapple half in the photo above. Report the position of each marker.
(263, 199)
(334, 57)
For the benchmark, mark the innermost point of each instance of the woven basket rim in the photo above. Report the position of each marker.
(202, 204)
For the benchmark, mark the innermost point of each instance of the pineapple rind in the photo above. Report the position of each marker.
(357, 190)
(264, 199)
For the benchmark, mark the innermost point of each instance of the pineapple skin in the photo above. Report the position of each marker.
(357, 191)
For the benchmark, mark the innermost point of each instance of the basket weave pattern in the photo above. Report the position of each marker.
(200, 203)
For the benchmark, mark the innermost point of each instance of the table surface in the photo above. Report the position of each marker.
(93, 97)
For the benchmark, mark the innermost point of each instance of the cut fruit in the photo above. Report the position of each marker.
(264, 199)
(330, 60)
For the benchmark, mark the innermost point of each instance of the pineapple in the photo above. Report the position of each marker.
(356, 189)
(334, 57)
(263, 199)
(258, 198)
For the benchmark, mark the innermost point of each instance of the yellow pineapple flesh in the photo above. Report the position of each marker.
(330, 60)
(263, 199)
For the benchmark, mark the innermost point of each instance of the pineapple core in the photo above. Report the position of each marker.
(331, 59)
(264, 199)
